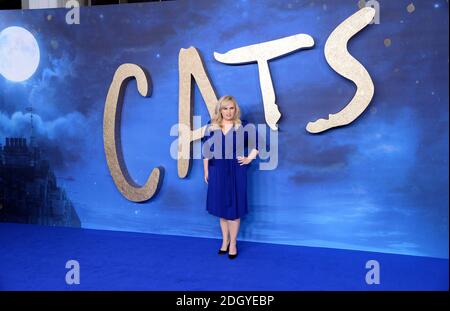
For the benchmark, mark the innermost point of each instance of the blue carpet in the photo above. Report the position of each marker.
(34, 257)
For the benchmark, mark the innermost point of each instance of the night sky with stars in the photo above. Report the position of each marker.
(378, 184)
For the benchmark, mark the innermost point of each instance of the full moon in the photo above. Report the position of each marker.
(19, 54)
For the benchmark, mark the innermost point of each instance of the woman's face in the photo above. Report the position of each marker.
(228, 110)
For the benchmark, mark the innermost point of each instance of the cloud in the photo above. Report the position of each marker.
(404, 246)
(314, 155)
(62, 139)
(309, 177)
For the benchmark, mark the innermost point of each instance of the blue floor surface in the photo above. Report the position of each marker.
(34, 257)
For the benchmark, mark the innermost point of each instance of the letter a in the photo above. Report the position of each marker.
(191, 66)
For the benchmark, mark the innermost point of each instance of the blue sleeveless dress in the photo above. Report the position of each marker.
(227, 179)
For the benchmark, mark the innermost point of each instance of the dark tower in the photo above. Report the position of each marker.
(29, 192)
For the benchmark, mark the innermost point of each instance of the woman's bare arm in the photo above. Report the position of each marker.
(253, 154)
(205, 168)
(246, 160)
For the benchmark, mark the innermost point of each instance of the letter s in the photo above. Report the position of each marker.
(346, 65)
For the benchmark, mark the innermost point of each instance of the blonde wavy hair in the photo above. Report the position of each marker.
(217, 120)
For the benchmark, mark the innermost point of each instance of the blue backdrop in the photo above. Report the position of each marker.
(379, 184)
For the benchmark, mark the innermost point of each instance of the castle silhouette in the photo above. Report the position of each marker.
(29, 192)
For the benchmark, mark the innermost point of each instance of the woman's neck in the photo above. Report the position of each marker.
(227, 122)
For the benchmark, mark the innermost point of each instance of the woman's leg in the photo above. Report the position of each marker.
(225, 234)
(233, 226)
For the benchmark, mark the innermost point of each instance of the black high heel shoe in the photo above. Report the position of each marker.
(232, 256)
(221, 252)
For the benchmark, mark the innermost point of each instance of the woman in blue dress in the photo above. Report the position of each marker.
(225, 169)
